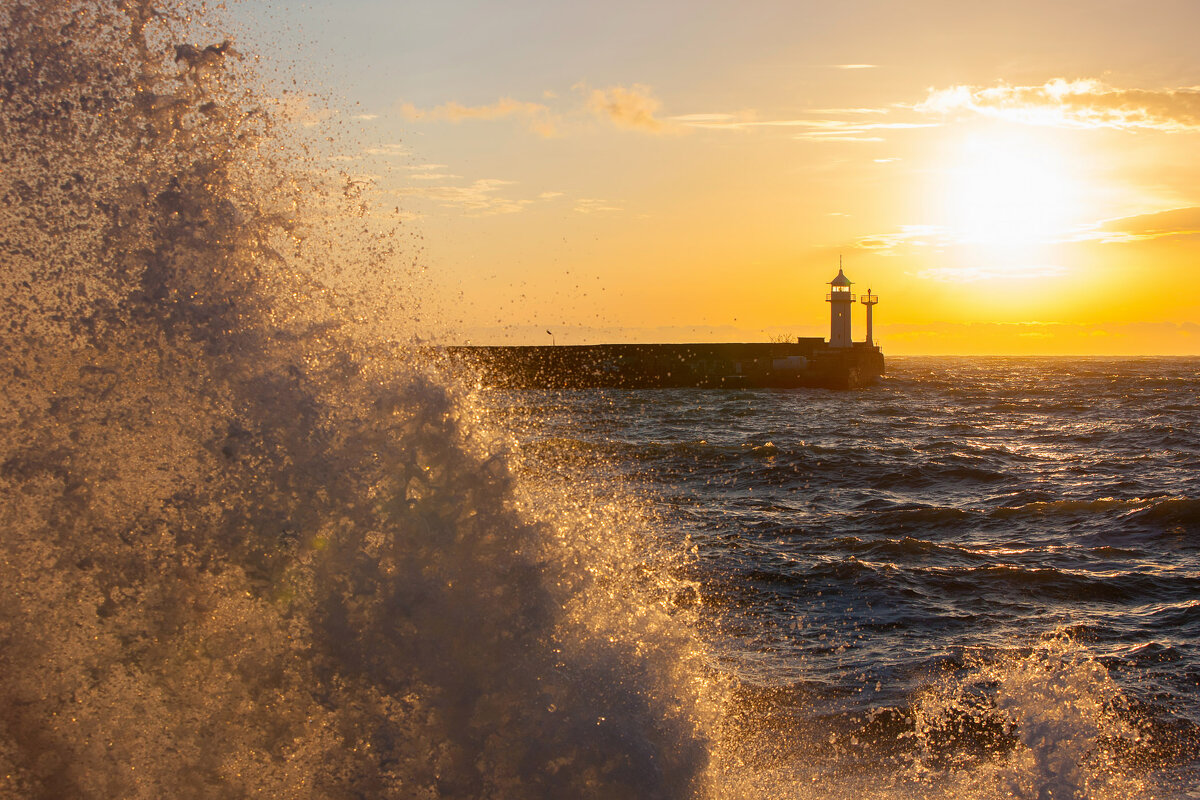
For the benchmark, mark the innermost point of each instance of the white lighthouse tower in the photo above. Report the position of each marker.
(840, 300)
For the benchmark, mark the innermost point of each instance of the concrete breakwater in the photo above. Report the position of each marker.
(806, 362)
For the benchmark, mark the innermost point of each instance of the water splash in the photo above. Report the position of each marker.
(248, 547)
(1044, 724)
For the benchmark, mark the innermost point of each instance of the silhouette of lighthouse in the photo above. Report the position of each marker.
(840, 300)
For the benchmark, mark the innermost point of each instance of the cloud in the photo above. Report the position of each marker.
(837, 130)
(538, 117)
(714, 120)
(631, 108)
(908, 235)
(853, 66)
(822, 129)
(388, 149)
(849, 111)
(1073, 104)
(593, 205)
(480, 198)
(842, 138)
(909, 238)
(1174, 222)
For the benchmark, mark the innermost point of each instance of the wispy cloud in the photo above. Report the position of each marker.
(842, 137)
(824, 128)
(1077, 104)
(851, 131)
(594, 205)
(838, 111)
(1157, 225)
(907, 236)
(388, 149)
(742, 119)
(537, 116)
(628, 107)
(854, 66)
(483, 197)
(631, 108)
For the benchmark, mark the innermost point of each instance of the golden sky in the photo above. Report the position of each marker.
(1011, 177)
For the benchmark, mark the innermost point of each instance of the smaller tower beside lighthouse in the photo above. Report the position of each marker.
(869, 300)
(840, 300)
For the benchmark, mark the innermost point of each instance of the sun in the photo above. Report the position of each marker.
(1009, 189)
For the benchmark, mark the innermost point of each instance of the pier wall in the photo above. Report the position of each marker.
(805, 362)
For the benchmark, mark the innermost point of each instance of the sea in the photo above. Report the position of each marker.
(974, 562)
(259, 539)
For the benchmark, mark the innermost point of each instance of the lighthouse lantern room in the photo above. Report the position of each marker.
(841, 300)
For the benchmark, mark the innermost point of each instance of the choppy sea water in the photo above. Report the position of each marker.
(964, 562)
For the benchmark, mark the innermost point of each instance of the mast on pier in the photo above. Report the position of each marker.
(869, 300)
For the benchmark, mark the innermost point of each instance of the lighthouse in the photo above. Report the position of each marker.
(840, 300)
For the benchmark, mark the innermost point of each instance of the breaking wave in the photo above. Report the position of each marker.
(250, 547)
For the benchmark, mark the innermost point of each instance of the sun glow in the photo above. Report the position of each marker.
(1006, 190)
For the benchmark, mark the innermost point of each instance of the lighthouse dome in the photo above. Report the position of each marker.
(840, 280)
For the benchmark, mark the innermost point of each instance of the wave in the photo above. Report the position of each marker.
(1046, 721)
(251, 546)
(1182, 513)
